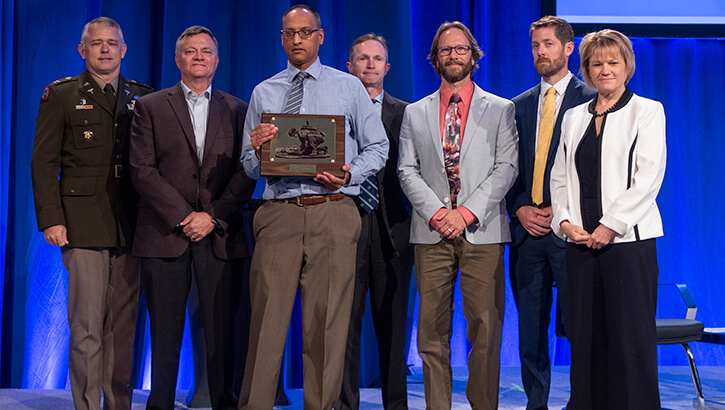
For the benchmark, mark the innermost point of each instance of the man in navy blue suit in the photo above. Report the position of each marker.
(537, 255)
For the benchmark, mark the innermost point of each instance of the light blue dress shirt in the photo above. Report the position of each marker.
(378, 104)
(330, 92)
(199, 113)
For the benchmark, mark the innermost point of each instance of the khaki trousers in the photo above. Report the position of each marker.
(311, 247)
(103, 286)
(482, 288)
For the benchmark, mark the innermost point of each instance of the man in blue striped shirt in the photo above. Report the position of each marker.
(308, 229)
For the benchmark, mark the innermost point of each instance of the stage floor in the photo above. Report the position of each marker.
(676, 391)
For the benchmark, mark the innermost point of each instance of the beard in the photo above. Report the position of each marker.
(452, 76)
(554, 66)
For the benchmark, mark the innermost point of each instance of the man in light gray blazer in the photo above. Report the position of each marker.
(458, 158)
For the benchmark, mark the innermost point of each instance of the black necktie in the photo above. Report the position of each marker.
(110, 96)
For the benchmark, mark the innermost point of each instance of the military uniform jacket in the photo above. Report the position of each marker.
(80, 161)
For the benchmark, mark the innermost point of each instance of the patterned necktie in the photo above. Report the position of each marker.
(369, 196)
(546, 129)
(294, 101)
(110, 96)
(452, 146)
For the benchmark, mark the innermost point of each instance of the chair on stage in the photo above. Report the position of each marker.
(684, 331)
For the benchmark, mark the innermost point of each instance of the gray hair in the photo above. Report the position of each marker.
(192, 31)
(108, 22)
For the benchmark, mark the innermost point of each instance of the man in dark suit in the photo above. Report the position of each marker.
(82, 131)
(384, 258)
(537, 255)
(185, 150)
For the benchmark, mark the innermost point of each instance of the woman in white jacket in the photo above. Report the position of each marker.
(608, 170)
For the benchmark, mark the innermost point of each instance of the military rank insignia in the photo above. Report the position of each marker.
(87, 135)
(132, 104)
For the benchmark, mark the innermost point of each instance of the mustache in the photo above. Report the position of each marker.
(543, 60)
(453, 62)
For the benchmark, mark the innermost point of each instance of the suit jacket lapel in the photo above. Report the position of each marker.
(217, 110)
(181, 110)
(90, 90)
(475, 116)
(389, 115)
(529, 128)
(432, 114)
(570, 96)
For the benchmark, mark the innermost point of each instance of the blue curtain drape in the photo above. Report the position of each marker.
(39, 42)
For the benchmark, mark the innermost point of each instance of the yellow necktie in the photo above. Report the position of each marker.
(546, 128)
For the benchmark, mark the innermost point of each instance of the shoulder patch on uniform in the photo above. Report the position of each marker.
(46, 92)
(136, 83)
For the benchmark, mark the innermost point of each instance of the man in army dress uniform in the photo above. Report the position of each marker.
(82, 134)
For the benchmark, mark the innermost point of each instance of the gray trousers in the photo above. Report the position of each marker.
(103, 287)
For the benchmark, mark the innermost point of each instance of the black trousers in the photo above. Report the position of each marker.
(166, 284)
(535, 265)
(387, 276)
(613, 335)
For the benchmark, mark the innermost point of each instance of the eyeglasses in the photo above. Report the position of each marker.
(460, 50)
(305, 33)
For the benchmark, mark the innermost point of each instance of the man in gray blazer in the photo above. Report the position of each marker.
(536, 256)
(185, 148)
(458, 158)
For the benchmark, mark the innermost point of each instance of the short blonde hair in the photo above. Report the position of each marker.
(604, 42)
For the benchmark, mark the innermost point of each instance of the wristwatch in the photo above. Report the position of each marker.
(217, 225)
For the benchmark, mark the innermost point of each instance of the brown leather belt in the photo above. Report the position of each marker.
(315, 199)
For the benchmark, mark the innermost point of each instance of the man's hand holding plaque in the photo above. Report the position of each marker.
(332, 182)
(261, 134)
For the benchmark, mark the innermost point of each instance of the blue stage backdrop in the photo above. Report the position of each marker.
(39, 45)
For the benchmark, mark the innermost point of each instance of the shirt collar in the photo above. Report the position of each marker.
(314, 70)
(560, 85)
(187, 90)
(466, 94)
(379, 98)
(102, 83)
